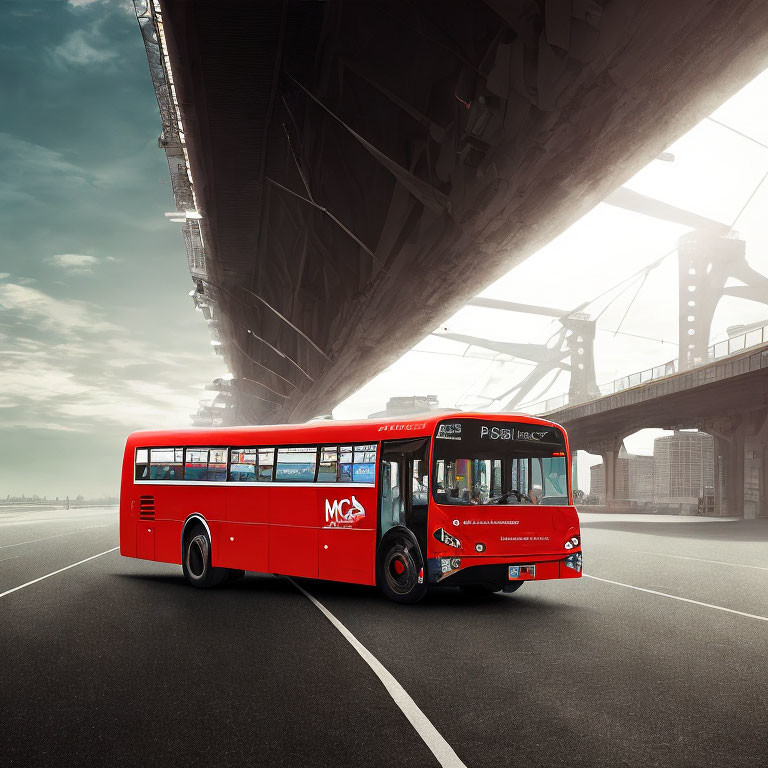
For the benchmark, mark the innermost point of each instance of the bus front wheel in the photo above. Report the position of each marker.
(401, 569)
(196, 560)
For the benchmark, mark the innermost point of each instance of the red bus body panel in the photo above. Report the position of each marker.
(283, 528)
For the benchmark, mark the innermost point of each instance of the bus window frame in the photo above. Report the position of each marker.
(274, 446)
(565, 448)
(208, 448)
(149, 449)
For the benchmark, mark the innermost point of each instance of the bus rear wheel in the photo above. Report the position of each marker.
(401, 570)
(196, 560)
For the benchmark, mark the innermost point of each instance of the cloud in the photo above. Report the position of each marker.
(74, 262)
(77, 50)
(26, 156)
(22, 305)
(37, 380)
(65, 367)
(123, 5)
(33, 174)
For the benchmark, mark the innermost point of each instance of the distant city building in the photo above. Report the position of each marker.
(634, 478)
(621, 490)
(597, 482)
(680, 472)
(640, 477)
(683, 467)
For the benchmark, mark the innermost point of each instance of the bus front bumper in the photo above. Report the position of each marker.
(455, 571)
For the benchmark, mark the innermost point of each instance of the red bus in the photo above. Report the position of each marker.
(478, 501)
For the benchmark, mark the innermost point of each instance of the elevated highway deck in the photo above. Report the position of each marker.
(727, 398)
(353, 173)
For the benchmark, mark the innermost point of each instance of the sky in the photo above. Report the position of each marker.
(98, 336)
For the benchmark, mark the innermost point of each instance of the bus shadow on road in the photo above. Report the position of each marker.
(361, 597)
(358, 596)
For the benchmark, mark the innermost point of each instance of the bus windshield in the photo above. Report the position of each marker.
(479, 462)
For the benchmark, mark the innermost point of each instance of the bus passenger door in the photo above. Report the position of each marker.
(404, 488)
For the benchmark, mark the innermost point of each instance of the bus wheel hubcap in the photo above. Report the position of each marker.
(400, 569)
(197, 556)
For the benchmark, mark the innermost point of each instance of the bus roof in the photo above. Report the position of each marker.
(322, 430)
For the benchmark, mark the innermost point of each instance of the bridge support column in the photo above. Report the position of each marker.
(730, 439)
(609, 450)
(609, 473)
(756, 466)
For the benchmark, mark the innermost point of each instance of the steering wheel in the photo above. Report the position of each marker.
(520, 496)
(504, 496)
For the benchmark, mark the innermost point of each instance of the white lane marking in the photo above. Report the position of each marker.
(674, 597)
(439, 747)
(704, 560)
(48, 575)
(12, 557)
(56, 535)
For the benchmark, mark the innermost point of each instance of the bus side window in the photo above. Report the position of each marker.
(266, 465)
(345, 464)
(242, 468)
(364, 464)
(196, 464)
(296, 465)
(357, 464)
(327, 471)
(204, 465)
(166, 463)
(142, 464)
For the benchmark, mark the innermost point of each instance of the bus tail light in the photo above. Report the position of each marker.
(574, 562)
(574, 541)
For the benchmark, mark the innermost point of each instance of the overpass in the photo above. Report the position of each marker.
(349, 174)
(727, 398)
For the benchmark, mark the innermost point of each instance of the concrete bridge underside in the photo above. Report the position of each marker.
(364, 168)
(727, 399)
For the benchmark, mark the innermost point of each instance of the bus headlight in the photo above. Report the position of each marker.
(574, 541)
(443, 536)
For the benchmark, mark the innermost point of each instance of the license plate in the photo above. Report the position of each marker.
(522, 571)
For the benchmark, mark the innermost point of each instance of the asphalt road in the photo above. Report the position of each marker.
(117, 662)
